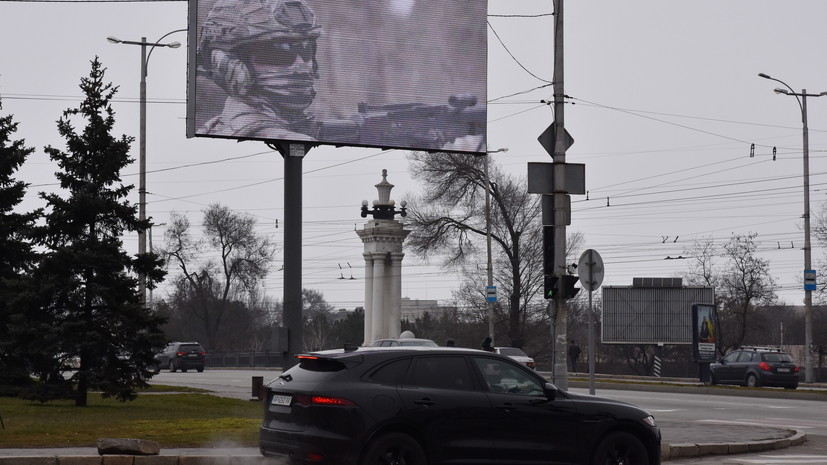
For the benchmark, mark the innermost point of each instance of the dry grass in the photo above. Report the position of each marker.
(172, 419)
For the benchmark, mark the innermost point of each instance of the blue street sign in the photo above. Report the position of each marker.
(809, 280)
(491, 293)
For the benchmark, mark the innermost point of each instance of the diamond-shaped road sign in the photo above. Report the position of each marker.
(547, 139)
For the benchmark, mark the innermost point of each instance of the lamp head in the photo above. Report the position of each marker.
(174, 44)
(779, 90)
(765, 76)
(114, 40)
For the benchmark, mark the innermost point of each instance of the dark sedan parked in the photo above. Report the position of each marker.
(425, 405)
(756, 366)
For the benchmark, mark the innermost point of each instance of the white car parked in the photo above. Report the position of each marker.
(517, 355)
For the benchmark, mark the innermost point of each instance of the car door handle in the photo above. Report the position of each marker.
(426, 402)
(508, 406)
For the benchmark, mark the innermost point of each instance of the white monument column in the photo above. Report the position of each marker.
(395, 294)
(383, 237)
(368, 298)
(379, 313)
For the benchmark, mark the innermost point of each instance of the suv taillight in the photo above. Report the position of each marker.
(304, 399)
(764, 366)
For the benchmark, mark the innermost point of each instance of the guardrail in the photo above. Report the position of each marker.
(265, 359)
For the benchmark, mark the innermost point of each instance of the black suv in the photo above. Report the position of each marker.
(756, 366)
(182, 356)
(436, 405)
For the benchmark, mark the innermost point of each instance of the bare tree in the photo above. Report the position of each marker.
(450, 221)
(317, 316)
(702, 266)
(742, 283)
(211, 290)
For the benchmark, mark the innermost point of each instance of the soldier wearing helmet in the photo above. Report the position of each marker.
(263, 54)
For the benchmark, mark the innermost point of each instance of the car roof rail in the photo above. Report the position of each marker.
(761, 348)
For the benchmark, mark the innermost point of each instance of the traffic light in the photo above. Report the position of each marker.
(549, 286)
(548, 250)
(567, 285)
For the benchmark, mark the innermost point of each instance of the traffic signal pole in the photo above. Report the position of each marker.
(560, 310)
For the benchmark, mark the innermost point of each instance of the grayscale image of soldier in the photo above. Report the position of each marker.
(262, 53)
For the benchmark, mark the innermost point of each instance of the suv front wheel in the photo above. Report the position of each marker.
(620, 447)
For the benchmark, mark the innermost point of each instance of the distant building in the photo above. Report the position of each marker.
(415, 308)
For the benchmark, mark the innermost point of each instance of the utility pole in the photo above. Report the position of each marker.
(560, 375)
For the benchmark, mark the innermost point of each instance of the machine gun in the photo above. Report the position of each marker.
(429, 127)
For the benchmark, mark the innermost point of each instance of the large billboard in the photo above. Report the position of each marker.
(406, 74)
(651, 315)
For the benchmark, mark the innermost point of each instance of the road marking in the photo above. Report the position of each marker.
(786, 459)
(776, 423)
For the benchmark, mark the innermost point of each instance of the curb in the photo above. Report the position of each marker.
(139, 460)
(685, 450)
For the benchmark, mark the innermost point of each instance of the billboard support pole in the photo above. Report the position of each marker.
(293, 154)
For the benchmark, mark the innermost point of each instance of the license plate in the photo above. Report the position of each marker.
(281, 400)
(783, 370)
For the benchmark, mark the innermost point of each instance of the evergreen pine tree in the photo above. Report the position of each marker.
(16, 254)
(88, 283)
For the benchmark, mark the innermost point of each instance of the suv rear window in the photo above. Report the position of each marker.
(440, 373)
(190, 348)
(776, 357)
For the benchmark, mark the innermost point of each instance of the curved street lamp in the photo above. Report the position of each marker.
(142, 143)
(808, 289)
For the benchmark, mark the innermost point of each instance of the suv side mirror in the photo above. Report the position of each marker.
(550, 390)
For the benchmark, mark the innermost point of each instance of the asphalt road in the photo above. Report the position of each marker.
(237, 384)
(704, 410)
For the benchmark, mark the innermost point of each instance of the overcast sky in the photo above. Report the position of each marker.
(666, 102)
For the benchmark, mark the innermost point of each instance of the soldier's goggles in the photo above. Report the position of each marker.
(280, 53)
(285, 53)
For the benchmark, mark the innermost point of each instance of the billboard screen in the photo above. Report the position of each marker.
(650, 315)
(407, 74)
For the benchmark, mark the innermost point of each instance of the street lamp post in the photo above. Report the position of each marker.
(808, 293)
(490, 265)
(142, 142)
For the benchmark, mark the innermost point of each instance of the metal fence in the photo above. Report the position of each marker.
(265, 359)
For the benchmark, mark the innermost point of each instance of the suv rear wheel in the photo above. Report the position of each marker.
(752, 381)
(394, 448)
(171, 366)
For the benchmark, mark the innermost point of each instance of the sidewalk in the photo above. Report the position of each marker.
(680, 440)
